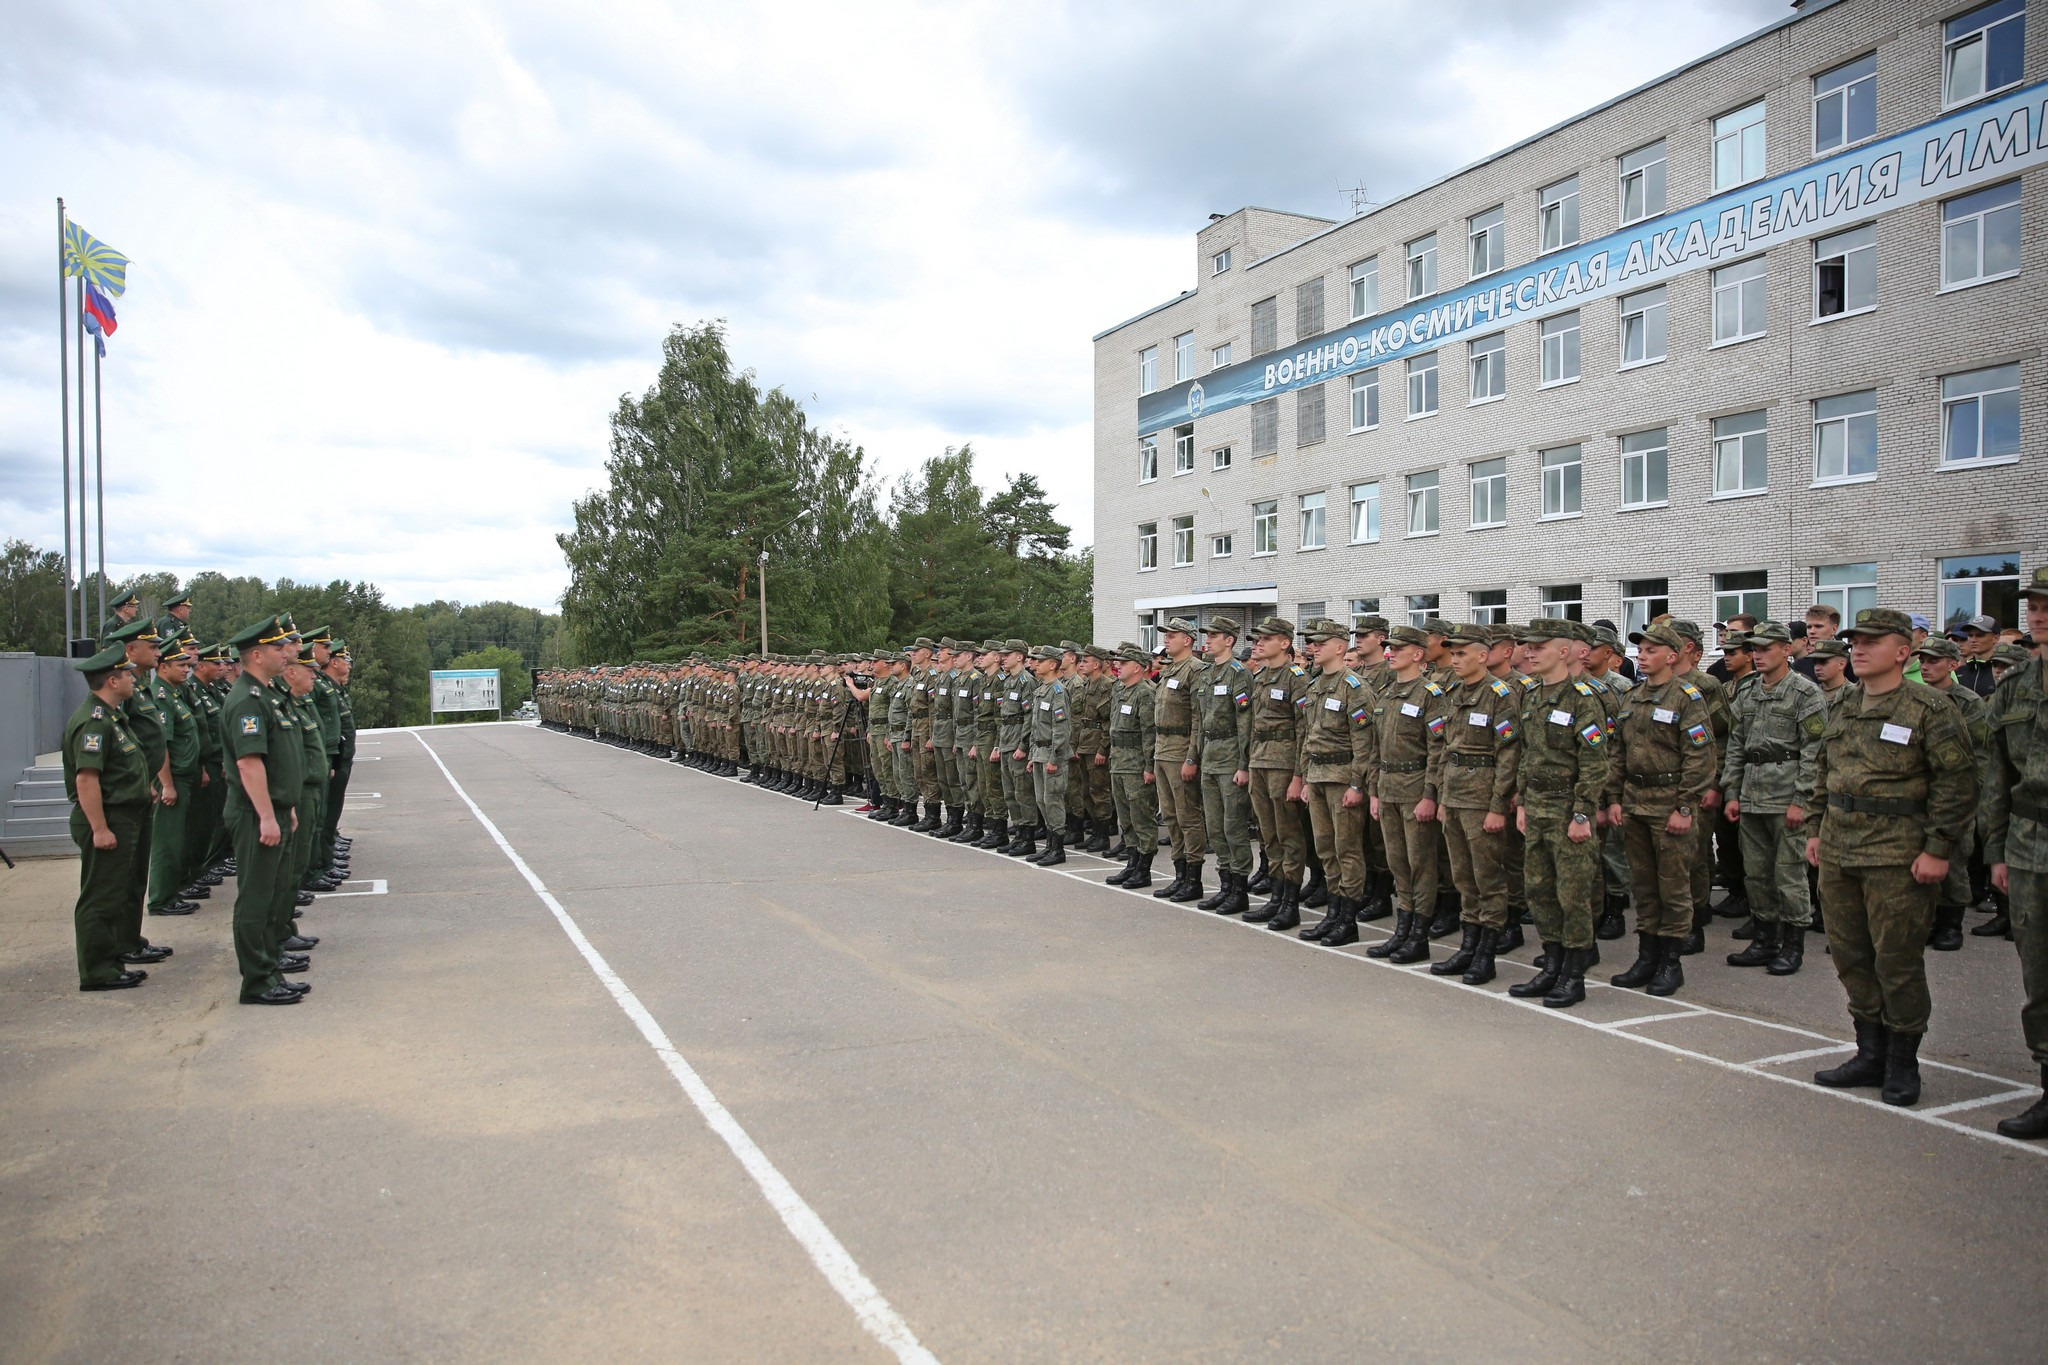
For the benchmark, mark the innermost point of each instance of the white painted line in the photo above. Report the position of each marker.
(1654, 1018)
(377, 886)
(1960, 1105)
(825, 1250)
(1802, 1056)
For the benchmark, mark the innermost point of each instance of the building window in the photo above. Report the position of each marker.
(1845, 273)
(1220, 262)
(1365, 399)
(1365, 289)
(1265, 326)
(1563, 601)
(1422, 385)
(1739, 301)
(1365, 512)
(1422, 503)
(1742, 461)
(1487, 233)
(1643, 600)
(1980, 236)
(1845, 439)
(1845, 104)
(1148, 546)
(1562, 471)
(1980, 585)
(1561, 348)
(1266, 527)
(1848, 588)
(1642, 327)
(1642, 183)
(1184, 449)
(1183, 541)
(1645, 457)
(1266, 427)
(1312, 526)
(1362, 607)
(1490, 606)
(1184, 356)
(1739, 147)
(1489, 360)
(1308, 415)
(1219, 356)
(1148, 369)
(1308, 309)
(1422, 266)
(1982, 51)
(1980, 415)
(1148, 458)
(1308, 611)
(1557, 213)
(1490, 493)
(1742, 594)
(1219, 546)
(1422, 606)
(1148, 630)
(1219, 458)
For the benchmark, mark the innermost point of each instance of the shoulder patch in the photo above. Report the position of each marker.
(251, 725)
(91, 743)
(1690, 690)
(1584, 690)
(1499, 688)
(99, 713)
(1697, 735)
(1816, 724)
(1352, 678)
(1297, 670)
(1432, 688)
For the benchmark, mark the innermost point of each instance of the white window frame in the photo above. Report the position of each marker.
(1741, 601)
(1856, 249)
(1148, 458)
(1977, 397)
(1977, 220)
(1486, 240)
(1843, 423)
(1968, 593)
(1220, 459)
(1362, 607)
(1559, 608)
(1842, 91)
(1148, 547)
(1183, 450)
(1729, 283)
(1651, 454)
(1365, 400)
(1220, 262)
(1637, 607)
(1848, 595)
(1487, 613)
(1489, 483)
(1314, 522)
(1739, 439)
(1423, 605)
(1955, 40)
(1561, 338)
(1219, 356)
(1365, 513)
(1645, 307)
(1184, 357)
(1650, 171)
(1425, 498)
(1265, 527)
(1148, 370)
(1557, 207)
(1220, 544)
(1424, 368)
(1729, 134)
(1421, 267)
(1486, 365)
(1563, 470)
(1183, 528)
(1364, 292)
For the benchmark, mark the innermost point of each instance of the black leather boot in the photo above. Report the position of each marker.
(1317, 894)
(1457, 962)
(956, 821)
(1761, 949)
(1327, 923)
(833, 796)
(1122, 874)
(1645, 966)
(1238, 902)
(970, 831)
(1404, 925)
(1222, 892)
(1344, 930)
(1180, 878)
(1445, 918)
(1480, 970)
(1901, 1068)
(1509, 938)
(1055, 850)
(1098, 837)
(1416, 949)
(1792, 949)
(1272, 906)
(1670, 970)
(1025, 844)
(1613, 921)
(1141, 872)
(1947, 934)
(1379, 897)
(930, 821)
(1696, 940)
(1191, 888)
(1289, 914)
(2031, 1122)
(1546, 976)
(1736, 906)
(1570, 988)
(996, 835)
(906, 815)
(1261, 883)
(1998, 926)
(1867, 1067)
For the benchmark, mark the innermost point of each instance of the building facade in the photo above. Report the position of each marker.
(1765, 332)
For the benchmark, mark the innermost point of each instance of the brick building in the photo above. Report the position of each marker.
(1764, 331)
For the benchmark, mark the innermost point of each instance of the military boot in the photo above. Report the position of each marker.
(833, 796)
(1345, 929)
(1736, 906)
(885, 809)
(1947, 934)
(1191, 889)
(1055, 849)
(1328, 923)
(1570, 987)
(1024, 844)
(1404, 925)
(1261, 883)
(1457, 962)
(1867, 1067)
(971, 830)
(1141, 872)
(1480, 970)
(1792, 949)
(1098, 837)
(1761, 949)
(2031, 1122)
(1901, 1068)
(1613, 921)
(1445, 918)
(1264, 913)
(1546, 975)
(932, 820)
(1510, 938)
(996, 835)
(1180, 878)
(1645, 966)
(1316, 895)
(906, 818)
(1670, 970)
(1289, 914)
(1378, 902)
(1416, 949)
(1696, 941)
(1222, 893)
(1122, 874)
(1238, 902)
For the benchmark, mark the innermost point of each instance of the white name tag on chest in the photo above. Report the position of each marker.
(1561, 718)
(1013, 696)
(1409, 708)
(1045, 706)
(1277, 693)
(1173, 684)
(1332, 704)
(1220, 688)
(1896, 734)
(1125, 708)
(1663, 715)
(1477, 718)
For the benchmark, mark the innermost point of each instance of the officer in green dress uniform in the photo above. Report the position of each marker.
(145, 723)
(124, 610)
(202, 820)
(301, 669)
(325, 700)
(261, 735)
(167, 880)
(107, 778)
(338, 669)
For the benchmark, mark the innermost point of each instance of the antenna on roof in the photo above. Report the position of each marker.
(1360, 200)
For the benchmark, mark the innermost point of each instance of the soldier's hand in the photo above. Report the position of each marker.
(103, 839)
(1188, 771)
(1677, 823)
(2001, 877)
(1425, 811)
(1733, 810)
(1019, 756)
(1102, 760)
(1373, 807)
(1241, 778)
(1579, 831)
(205, 779)
(1148, 779)
(267, 832)
(1294, 789)
(1051, 767)
(1795, 816)
(927, 744)
(1710, 800)
(1611, 814)
(1494, 823)
(295, 819)
(974, 751)
(1354, 798)
(1928, 869)
(1813, 851)
(169, 795)
(1521, 820)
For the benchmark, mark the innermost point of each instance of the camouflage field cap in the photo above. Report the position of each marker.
(1829, 649)
(1320, 628)
(1939, 647)
(2037, 586)
(1583, 633)
(1014, 646)
(1546, 628)
(1369, 625)
(1734, 639)
(1604, 635)
(1690, 630)
(1881, 621)
(1769, 633)
(1468, 634)
(991, 646)
(1659, 633)
(1179, 625)
(1436, 625)
(1098, 652)
(1223, 625)
(1274, 625)
(923, 642)
(1069, 647)
(1047, 654)
(1132, 654)
(1500, 635)
(2010, 654)
(1409, 635)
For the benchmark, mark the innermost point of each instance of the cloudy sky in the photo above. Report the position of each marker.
(394, 263)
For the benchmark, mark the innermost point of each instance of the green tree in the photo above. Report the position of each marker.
(31, 599)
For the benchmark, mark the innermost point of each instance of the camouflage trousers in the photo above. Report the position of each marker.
(1018, 793)
(1479, 866)
(1137, 814)
(1339, 837)
(1561, 877)
(1878, 920)
(1660, 869)
(1181, 803)
(1280, 832)
(2029, 902)
(1091, 795)
(1049, 790)
(1411, 855)
(966, 781)
(1227, 816)
(994, 804)
(945, 771)
(1774, 868)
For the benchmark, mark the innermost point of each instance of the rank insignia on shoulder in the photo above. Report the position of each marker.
(1297, 670)
(1593, 735)
(92, 744)
(1690, 690)
(99, 713)
(1697, 735)
(1432, 688)
(1352, 678)
(1584, 689)
(251, 725)
(1499, 688)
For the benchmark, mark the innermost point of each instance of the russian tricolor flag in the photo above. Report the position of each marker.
(99, 314)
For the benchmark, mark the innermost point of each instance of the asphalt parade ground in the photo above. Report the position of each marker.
(610, 1059)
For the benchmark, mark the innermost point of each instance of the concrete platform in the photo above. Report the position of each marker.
(1040, 1119)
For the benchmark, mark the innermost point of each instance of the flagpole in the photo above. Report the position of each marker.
(64, 407)
(99, 478)
(84, 545)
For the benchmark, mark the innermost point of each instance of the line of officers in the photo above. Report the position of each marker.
(1458, 778)
(189, 764)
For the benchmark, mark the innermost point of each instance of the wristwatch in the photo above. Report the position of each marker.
(1581, 820)
(1686, 811)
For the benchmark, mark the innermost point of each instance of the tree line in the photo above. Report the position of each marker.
(708, 469)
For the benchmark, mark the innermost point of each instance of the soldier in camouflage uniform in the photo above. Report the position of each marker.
(2015, 823)
(881, 757)
(968, 823)
(1716, 697)
(1335, 747)
(1776, 724)
(1939, 659)
(1131, 742)
(1223, 717)
(1089, 792)
(1180, 798)
(1406, 712)
(1473, 759)
(1279, 689)
(1052, 733)
(945, 768)
(988, 747)
(1502, 649)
